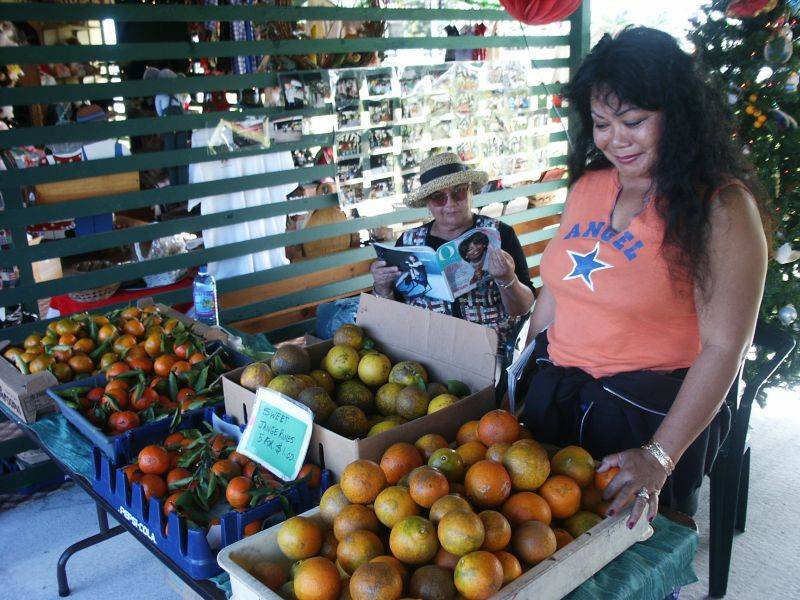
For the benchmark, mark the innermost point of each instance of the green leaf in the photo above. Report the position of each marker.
(111, 401)
(212, 486)
(173, 387)
(201, 379)
(180, 483)
(176, 419)
(100, 350)
(286, 506)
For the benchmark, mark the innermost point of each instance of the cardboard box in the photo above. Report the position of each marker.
(447, 347)
(551, 579)
(25, 395)
(211, 334)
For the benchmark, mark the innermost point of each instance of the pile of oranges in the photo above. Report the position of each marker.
(192, 472)
(431, 521)
(152, 367)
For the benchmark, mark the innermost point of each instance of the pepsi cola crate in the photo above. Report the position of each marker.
(187, 546)
(115, 446)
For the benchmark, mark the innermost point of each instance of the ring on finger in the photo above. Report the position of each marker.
(643, 494)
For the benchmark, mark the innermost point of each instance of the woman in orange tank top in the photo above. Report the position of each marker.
(652, 284)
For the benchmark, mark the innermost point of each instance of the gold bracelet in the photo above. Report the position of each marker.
(658, 452)
(505, 286)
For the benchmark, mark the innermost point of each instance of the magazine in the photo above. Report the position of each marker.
(457, 267)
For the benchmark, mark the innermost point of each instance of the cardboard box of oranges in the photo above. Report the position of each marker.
(448, 348)
(495, 516)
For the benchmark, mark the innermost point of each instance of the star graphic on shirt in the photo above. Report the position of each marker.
(583, 265)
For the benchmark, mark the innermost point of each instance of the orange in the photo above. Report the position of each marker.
(496, 452)
(511, 567)
(461, 532)
(133, 327)
(471, 452)
(253, 528)
(313, 472)
(562, 494)
(526, 506)
(237, 492)
(117, 368)
(84, 345)
(270, 574)
(401, 569)
(115, 399)
(393, 505)
(446, 560)
(581, 522)
(123, 343)
(176, 474)
(169, 503)
(449, 462)
(354, 517)
(332, 502)
(563, 537)
(376, 581)
(414, 541)
(329, 545)
(144, 400)
(358, 548)
(429, 443)
(362, 481)
(426, 485)
(132, 473)
(533, 542)
(468, 432)
(153, 486)
(153, 459)
(601, 480)
(227, 469)
(152, 345)
(575, 462)
(317, 579)
(498, 426)
(478, 575)
(488, 484)
(497, 528)
(447, 504)
(299, 538)
(163, 364)
(528, 465)
(399, 459)
(132, 312)
(123, 420)
(180, 366)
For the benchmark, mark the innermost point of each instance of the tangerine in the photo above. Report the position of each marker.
(449, 462)
(445, 560)
(528, 465)
(317, 579)
(355, 517)
(357, 548)
(478, 575)
(153, 460)
(574, 462)
(163, 364)
(461, 532)
(601, 480)
(332, 502)
(581, 522)
(123, 420)
(398, 460)
(227, 469)
(299, 538)
(393, 505)
(488, 483)
(471, 452)
(414, 541)
(237, 492)
(533, 542)
(393, 562)
(176, 474)
(496, 452)
(376, 581)
(511, 567)
(447, 504)
(312, 472)
(430, 443)
(468, 432)
(169, 503)
(562, 494)
(153, 486)
(526, 506)
(563, 537)
(426, 485)
(252, 528)
(497, 427)
(433, 582)
(329, 545)
(497, 528)
(362, 481)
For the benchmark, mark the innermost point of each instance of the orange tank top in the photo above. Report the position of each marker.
(617, 308)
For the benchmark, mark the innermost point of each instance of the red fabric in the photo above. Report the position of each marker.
(540, 12)
(66, 305)
(750, 8)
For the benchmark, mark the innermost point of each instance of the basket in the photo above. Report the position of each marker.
(95, 294)
(158, 279)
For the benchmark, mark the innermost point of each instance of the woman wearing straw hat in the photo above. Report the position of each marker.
(446, 189)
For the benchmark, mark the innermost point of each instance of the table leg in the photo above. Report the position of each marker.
(102, 518)
(61, 569)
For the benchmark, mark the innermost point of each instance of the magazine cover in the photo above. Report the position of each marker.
(456, 268)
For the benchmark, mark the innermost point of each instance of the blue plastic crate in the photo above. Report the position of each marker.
(113, 446)
(188, 547)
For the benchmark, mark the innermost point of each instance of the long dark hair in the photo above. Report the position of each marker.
(697, 152)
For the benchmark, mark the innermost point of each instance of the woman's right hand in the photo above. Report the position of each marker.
(384, 278)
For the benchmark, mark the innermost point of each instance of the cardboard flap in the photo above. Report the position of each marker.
(211, 334)
(468, 346)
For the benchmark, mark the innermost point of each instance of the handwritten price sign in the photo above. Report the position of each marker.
(277, 434)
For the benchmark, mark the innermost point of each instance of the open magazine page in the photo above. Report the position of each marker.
(420, 271)
(464, 259)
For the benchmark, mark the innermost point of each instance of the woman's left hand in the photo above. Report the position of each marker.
(500, 264)
(639, 470)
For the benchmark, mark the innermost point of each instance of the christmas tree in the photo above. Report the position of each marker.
(749, 47)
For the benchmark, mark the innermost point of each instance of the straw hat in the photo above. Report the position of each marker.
(441, 171)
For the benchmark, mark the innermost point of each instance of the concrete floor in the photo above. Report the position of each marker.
(765, 559)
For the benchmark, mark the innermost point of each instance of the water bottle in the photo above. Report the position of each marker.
(204, 294)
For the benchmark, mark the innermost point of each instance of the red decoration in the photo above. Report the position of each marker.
(540, 12)
(749, 8)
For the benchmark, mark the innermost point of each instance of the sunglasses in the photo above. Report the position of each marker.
(457, 194)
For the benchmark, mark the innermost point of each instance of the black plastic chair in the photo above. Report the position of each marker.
(730, 477)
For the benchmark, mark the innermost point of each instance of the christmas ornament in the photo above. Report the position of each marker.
(778, 49)
(749, 8)
(785, 255)
(788, 314)
(540, 12)
(759, 118)
(783, 120)
(792, 81)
